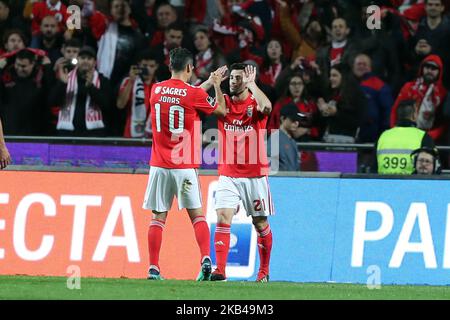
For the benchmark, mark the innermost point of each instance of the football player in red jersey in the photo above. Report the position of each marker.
(175, 157)
(243, 167)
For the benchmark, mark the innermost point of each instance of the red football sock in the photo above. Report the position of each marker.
(222, 244)
(155, 232)
(264, 249)
(202, 235)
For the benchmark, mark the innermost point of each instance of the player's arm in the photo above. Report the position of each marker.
(221, 108)
(5, 158)
(264, 104)
(208, 84)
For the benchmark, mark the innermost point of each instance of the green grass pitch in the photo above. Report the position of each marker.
(54, 288)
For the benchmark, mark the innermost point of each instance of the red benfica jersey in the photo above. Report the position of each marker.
(243, 153)
(176, 124)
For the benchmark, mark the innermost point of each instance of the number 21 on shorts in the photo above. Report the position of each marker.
(259, 205)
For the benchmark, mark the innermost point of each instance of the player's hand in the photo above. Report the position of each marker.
(5, 157)
(249, 75)
(222, 71)
(215, 78)
(187, 186)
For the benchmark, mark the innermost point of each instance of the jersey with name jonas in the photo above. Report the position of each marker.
(176, 124)
(243, 152)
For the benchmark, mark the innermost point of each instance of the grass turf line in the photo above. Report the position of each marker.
(55, 288)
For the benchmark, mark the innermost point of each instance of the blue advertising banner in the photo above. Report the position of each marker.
(303, 228)
(397, 230)
(374, 231)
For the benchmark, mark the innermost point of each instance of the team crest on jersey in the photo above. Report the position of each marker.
(211, 101)
(249, 111)
(158, 89)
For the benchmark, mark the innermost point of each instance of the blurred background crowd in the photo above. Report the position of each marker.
(344, 73)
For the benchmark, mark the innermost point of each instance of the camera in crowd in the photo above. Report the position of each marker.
(141, 71)
(71, 64)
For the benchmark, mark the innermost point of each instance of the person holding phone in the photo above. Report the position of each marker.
(134, 95)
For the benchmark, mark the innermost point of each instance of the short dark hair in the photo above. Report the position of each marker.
(175, 26)
(179, 59)
(6, 3)
(238, 66)
(146, 54)
(10, 32)
(26, 54)
(406, 109)
(74, 42)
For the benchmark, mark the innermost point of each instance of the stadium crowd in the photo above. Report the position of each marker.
(345, 74)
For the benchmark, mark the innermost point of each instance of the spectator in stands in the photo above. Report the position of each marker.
(344, 108)
(23, 91)
(379, 103)
(118, 42)
(41, 9)
(134, 95)
(426, 161)
(340, 51)
(237, 29)
(430, 94)
(288, 157)
(7, 20)
(13, 40)
(432, 36)
(306, 42)
(5, 157)
(208, 57)
(271, 64)
(84, 99)
(62, 67)
(379, 100)
(165, 15)
(93, 21)
(202, 12)
(310, 73)
(49, 39)
(395, 145)
(173, 38)
(384, 46)
(296, 94)
(69, 51)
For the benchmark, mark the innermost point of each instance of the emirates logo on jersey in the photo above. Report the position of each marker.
(157, 89)
(249, 111)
